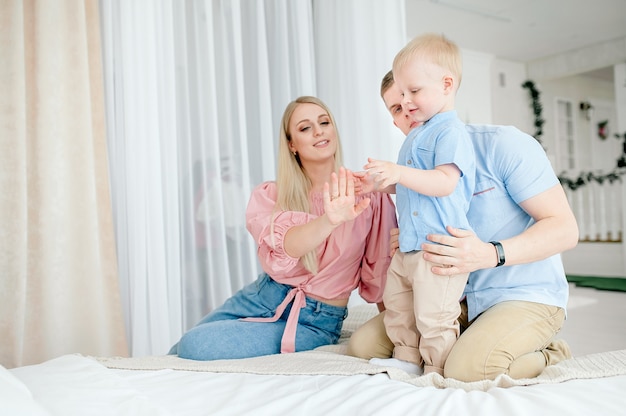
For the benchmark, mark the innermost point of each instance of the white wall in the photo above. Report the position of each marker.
(595, 259)
(473, 100)
(511, 102)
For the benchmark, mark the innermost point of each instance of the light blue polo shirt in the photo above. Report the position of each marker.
(511, 166)
(441, 140)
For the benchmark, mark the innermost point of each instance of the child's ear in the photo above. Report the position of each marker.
(448, 84)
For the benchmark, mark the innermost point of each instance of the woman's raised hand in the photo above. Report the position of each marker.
(339, 199)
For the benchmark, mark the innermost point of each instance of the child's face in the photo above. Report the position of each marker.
(426, 89)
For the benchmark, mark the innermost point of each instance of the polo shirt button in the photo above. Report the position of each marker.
(415, 213)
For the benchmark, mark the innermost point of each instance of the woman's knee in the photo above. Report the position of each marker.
(192, 347)
(231, 339)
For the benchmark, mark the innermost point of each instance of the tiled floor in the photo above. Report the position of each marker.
(596, 321)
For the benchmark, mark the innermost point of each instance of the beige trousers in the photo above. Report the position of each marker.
(421, 310)
(513, 338)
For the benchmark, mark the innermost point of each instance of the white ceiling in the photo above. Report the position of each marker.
(520, 30)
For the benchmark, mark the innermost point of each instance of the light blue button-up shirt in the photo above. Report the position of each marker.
(441, 140)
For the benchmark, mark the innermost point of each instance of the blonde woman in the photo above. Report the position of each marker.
(317, 242)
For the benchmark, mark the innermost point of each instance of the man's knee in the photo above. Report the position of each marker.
(360, 345)
(368, 351)
(471, 365)
(370, 340)
(356, 350)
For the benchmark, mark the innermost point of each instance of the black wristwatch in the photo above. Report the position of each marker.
(500, 252)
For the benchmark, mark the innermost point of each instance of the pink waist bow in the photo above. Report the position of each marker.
(288, 341)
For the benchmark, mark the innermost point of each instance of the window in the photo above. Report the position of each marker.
(565, 144)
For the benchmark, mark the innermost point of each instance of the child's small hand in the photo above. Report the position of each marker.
(384, 173)
(363, 183)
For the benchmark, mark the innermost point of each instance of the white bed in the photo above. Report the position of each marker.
(320, 382)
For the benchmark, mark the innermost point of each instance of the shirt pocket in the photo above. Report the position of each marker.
(490, 203)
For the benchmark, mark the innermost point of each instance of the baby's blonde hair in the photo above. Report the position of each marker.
(433, 48)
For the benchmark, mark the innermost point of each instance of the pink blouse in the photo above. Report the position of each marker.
(356, 254)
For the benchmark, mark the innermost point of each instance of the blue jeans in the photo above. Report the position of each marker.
(221, 335)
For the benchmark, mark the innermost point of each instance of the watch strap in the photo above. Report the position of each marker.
(500, 251)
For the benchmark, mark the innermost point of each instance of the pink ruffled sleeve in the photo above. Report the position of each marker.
(377, 259)
(271, 253)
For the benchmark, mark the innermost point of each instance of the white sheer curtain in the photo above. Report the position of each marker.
(355, 43)
(195, 92)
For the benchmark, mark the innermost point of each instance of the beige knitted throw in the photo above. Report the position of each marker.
(331, 360)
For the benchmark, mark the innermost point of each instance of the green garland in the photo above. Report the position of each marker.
(584, 177)
(587, 177)
(537, 108)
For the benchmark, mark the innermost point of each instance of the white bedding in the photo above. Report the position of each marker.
(321, 382)
(77, 385)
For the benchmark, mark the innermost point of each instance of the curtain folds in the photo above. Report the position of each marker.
(194, 95)
(59, 289)
(355, 43)
(193, 89)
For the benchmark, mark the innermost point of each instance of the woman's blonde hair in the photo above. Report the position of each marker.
(292, 182)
